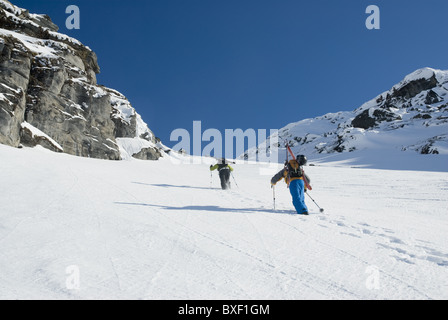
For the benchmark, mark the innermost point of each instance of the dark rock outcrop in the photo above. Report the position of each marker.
(414, 87)
(369, 119)
(48, 81)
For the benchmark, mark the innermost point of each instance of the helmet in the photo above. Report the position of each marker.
(302, 160)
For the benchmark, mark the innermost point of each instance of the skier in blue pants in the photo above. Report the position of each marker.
(293, 175)
(297, 189)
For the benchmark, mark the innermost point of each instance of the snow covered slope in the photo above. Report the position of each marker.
(73, 228)
(411, 118)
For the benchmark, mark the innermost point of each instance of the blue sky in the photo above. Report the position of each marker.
(257, 64)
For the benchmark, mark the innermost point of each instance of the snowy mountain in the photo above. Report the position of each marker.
(78, 228)
(412, 117)
(49, 95)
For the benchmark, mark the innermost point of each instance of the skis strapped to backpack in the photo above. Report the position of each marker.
(305, 180)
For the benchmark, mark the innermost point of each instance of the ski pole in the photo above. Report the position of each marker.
(273, 194)
(234, 180)
(320, 209)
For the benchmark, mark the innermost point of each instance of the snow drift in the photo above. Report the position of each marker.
(77, 228)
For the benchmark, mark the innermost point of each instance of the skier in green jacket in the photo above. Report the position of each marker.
(224, 172)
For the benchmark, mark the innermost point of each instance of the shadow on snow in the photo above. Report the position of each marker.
(208, 208)
(163, 185)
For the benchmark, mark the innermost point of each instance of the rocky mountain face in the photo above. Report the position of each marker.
(411, 117)
(49, 94)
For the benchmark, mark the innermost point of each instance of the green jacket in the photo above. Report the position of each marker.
(220, 167)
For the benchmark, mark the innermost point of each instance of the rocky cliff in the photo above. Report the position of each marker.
(49, 94)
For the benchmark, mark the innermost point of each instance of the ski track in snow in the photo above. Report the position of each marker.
(154, 230)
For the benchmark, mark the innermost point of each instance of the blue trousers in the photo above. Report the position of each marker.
(297, 189)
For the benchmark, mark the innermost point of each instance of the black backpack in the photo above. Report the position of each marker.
(294, 169)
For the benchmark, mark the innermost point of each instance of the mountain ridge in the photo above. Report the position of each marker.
(410, 117)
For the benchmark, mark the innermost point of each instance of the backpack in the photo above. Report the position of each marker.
(222, 166)
(293, 169)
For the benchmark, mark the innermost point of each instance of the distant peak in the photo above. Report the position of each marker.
(425, 73)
